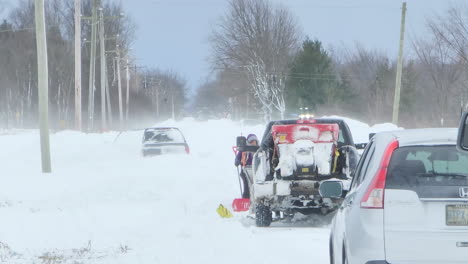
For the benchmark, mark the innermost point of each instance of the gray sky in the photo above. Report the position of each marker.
(5, 5)
(173, 34)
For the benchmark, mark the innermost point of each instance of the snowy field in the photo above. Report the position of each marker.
(105, 203)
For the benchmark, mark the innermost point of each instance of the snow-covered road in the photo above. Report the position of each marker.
(105, 203)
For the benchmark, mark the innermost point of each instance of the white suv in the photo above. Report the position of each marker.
(408, 202)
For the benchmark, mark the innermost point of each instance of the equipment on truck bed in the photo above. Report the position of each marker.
(295, 156)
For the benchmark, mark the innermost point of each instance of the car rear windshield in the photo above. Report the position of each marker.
(425, 166)
(163, 136)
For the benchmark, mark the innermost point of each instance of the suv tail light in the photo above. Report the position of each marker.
(187, 149)
(374, 196)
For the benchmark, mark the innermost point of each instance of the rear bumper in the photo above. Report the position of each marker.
(293, 196)
(270, 189)
(365, 236)
(150, 152)
(163, 149)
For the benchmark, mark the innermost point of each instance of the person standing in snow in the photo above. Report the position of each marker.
(244, 159)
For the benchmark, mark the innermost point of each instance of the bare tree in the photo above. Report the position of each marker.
(166, 91)
(370, 75)
(443, 60)
(258, 39)
(452, 29)
(18, 80)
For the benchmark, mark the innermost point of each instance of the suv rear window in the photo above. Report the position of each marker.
(163, 136)
(425, 166)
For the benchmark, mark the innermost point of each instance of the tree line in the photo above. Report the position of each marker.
(266, 68)
(153, 94)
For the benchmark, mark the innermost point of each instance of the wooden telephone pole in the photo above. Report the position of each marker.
(43, 82)
(102, 52)
(396, 101)
(92, 70)
(127, 73)
(119, 85)
(78, 65)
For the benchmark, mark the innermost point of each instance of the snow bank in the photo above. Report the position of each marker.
(105, 203)
(361, 130)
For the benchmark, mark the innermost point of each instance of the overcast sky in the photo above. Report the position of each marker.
(173, 34)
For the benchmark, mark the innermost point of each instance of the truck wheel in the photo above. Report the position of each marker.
(330, 247)
(263, 215)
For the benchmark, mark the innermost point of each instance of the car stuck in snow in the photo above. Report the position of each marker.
(163, 140)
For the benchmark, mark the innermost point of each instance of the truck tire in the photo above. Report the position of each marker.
(330, 248)
(263, 215)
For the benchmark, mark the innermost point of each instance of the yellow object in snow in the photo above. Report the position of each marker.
(223, 212)
(337, 154)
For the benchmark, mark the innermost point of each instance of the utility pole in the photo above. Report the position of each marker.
(157, 98)
(109, 105)
(128, 92)
(92, 70)
(396, 101)
(43, 82)
(119, 85)
(78, 65)
(102, 52)
(172, 99)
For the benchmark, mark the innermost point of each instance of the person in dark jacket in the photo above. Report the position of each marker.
(245, 159)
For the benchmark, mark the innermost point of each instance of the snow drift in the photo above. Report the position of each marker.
(105, 203)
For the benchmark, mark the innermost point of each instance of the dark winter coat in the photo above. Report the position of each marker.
(247, 156)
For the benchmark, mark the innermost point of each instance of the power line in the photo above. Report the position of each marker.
(17, 30)
(312, 76)
(305, 76)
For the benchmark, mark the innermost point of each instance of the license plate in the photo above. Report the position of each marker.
(456, 215)
(305, 169)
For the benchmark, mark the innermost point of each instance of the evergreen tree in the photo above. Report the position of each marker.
(312, 80)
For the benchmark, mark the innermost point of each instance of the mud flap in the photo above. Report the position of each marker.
(241, 204)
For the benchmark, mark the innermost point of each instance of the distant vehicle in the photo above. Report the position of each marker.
(408, 201)
(294, 158)
(163, 140)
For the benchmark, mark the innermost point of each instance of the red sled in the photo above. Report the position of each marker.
(241, 204)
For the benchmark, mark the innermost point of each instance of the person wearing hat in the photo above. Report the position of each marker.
(245, 159)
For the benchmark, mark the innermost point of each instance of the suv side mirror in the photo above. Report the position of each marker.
(462, 140)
